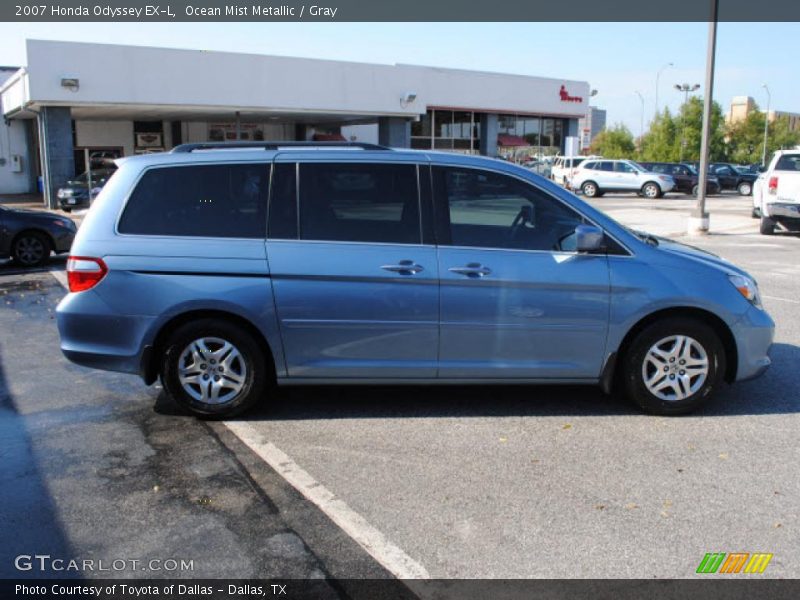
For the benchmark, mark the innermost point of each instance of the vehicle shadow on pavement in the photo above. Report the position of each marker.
(776, 392)
(28, 517)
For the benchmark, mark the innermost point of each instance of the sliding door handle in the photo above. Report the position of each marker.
(471, 270)
(404, 267)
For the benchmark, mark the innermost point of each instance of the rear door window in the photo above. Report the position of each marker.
(359, 202)
(199, 201)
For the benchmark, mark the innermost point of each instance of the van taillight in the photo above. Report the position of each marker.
(84, 272)
(773, 185)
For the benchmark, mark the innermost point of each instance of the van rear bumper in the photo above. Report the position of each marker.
(94, 336)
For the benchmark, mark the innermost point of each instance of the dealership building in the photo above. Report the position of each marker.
(74, 101)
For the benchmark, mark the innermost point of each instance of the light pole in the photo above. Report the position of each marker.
(641, 123)
(699, 220)
(766, 128)
(658, 76)
(685, 88)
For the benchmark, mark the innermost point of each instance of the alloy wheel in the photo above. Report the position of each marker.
(212, 370)
(675, 368)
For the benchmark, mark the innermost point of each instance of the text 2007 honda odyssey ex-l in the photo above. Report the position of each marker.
(224, 271)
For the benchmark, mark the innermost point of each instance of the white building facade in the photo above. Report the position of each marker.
(74, 100)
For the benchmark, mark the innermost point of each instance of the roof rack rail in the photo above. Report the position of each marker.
(186, 148)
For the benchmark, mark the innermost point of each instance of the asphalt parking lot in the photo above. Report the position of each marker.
(465, 482)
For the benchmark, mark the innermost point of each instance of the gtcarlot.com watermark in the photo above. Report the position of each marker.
(44, 563)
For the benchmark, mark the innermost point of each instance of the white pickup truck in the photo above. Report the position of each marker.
(776, 193)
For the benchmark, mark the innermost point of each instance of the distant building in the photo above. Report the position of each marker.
(741, 106)
(589, 126)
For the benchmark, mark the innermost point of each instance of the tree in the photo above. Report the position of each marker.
(659, 144)
(746, 137)
(667, 134)
(616, 142)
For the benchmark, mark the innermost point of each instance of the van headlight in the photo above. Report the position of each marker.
(747, 287)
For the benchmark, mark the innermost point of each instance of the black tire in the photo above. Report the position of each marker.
(767, 225)
(633, 365)
(755, 213)
(695, 190)
(651, 190)
(257, 378)
(590, 189)
(745, 188)
(66, 209)
(31, 249)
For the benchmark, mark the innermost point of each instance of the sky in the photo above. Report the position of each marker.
(617, 59)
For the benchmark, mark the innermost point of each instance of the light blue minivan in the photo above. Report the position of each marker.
(225, 269)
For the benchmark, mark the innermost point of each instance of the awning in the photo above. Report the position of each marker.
(329, 137)
(506, 140)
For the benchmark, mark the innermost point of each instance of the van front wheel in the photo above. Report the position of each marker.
(214, 368)
(672, 366)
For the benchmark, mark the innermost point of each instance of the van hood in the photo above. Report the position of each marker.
(697, 255)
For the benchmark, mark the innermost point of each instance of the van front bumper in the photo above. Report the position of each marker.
(754, 334)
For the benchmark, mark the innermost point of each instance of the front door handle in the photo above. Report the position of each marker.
(471, 270)
(404, 267)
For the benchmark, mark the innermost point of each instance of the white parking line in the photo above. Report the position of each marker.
(392, 558)
(60, 278)
(781, 299)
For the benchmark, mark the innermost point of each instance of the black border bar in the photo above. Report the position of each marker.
(255, 11)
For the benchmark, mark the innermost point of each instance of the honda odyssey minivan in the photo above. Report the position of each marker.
(226, 269)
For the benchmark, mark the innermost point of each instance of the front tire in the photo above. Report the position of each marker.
(590, 189)
(651, 190)
(745, 188)
(30, 249)
(214, 368)
(673, 366)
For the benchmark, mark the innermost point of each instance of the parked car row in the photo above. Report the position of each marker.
(594, 176)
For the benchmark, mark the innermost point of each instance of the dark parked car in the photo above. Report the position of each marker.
(685, 176)
(29, 236)
(76, 193)
(731, 178)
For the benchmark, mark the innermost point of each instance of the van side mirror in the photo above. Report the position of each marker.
(588, 238)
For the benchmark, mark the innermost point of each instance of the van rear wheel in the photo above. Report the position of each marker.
(673, 365)
(214, 368)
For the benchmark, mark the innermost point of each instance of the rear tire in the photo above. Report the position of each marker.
(214, 368)
(767, 225)
(652, 372)
(755, 213)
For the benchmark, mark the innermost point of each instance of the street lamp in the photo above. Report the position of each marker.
(641, 123)
(658, 75)
(699, 219)
(685, 88)
(766, 127)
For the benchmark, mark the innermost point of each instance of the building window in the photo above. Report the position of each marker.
(455, 131)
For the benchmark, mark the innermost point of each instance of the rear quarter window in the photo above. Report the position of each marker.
(200, 201)
(788, 162)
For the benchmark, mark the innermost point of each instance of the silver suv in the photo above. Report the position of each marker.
(596, 177)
